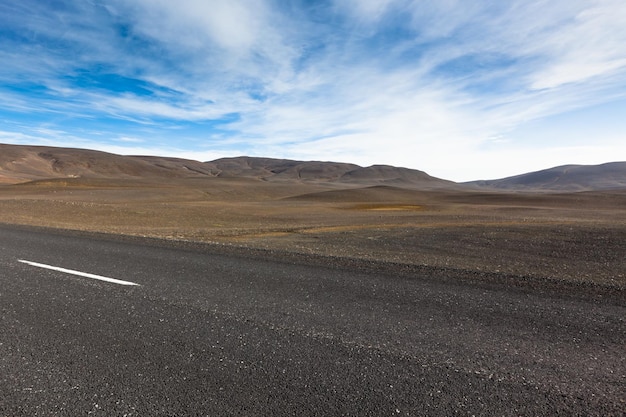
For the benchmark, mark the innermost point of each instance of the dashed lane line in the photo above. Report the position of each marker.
(79, 273)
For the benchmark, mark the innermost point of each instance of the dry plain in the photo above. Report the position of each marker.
(561, 237)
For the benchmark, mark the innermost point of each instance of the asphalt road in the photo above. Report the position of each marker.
(208, 332)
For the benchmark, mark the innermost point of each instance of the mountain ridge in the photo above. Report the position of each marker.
(607, 176)
(23, 163)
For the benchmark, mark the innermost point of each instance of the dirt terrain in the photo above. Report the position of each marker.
(577, 237)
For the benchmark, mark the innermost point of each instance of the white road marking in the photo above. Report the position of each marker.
(81, 274)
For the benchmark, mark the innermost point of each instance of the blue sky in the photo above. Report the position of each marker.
(460, 89)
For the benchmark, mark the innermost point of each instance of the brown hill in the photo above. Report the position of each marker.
(563, 178)
(389, 175)
(28, 163)
(270, 169)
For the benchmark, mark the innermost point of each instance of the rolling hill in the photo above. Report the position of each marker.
(19, 163)
(29, 163)
(270, 169)
(607, 176)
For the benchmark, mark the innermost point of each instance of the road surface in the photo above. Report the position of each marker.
(193, 331)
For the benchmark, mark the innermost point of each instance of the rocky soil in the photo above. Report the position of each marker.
(578, 237)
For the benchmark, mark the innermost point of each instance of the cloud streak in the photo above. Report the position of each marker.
(405, 82)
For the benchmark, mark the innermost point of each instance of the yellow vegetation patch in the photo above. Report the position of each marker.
(388, 207)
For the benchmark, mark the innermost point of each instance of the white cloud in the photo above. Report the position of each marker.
(221, 38)
(127, 139)
(132, 105)
(366, 11)
(229, 24)
(591, 44)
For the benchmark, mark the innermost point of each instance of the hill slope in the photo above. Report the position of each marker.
(280, 169)
(270, 169)
(28, 163)
(563, 178)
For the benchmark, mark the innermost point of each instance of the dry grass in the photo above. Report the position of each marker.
(579, 237)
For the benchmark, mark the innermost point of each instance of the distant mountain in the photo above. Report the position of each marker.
(23, 163)
(280, 169)
(28, 163)
(563, 178)
(270, 169)
(385, 174)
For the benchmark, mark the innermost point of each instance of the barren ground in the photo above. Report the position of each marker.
(578, 237)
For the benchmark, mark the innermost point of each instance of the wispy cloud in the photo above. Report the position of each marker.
(405, 82)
